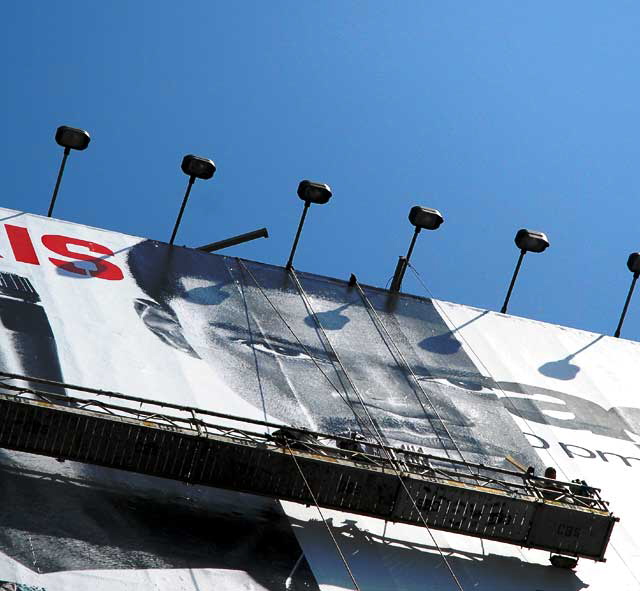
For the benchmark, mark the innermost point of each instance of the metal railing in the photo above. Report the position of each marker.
(169, 416)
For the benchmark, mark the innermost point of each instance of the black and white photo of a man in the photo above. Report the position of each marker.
(250, 324)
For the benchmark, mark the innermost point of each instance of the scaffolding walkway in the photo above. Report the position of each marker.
(214, 449)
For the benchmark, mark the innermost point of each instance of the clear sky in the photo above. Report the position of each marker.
(501, 115)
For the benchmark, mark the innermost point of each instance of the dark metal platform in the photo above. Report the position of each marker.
(454, 496)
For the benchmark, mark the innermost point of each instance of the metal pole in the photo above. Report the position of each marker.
(55, 190)
(261, 233)
(403, 263)
(398, 274)
(626, 304)
(295, 241)
(413, 243)
(192, 179)
(513, 282)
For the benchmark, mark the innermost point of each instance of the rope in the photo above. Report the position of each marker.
(375, 317)
(306, 350)
(295, 336)
(344, 397)
(486, 369)
(315, 500)
(479, 359)
(329, 348)
(377, 434)
(253, 348)
(379, 438)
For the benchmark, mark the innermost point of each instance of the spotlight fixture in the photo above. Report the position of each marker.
(566, 562)
(195, 167)
(633, 264)
(314, 192)
(526, 241)
(423, 218)
(530, 241)
(310, 192)
(70, 138)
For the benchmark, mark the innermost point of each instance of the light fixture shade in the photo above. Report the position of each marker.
(425, 218)
(531, 241)
(198, 167)
(72, 137)
(314, 192)
(633, 262)
(567, 562)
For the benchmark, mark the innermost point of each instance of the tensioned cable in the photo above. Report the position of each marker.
(443, 312)
(315, 500)
(375, 317)
(304, 348)
(482, 363)
(380, 441)
(466, 342)
(253, 348)
(377, 435)
(330, 350)
(344, 398)
(284, 320)
(335, 542)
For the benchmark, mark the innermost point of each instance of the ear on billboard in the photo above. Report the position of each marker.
(163, 323)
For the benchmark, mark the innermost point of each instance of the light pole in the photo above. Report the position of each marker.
(423, 218)
(310, 192)
(195, 167)
(526, 241)
(633, 264)
(70, 138)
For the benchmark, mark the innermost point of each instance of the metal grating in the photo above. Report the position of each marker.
(494, 507)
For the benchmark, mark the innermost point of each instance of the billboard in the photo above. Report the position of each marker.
(105, 310)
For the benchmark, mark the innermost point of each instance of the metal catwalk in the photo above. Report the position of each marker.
(172, 441)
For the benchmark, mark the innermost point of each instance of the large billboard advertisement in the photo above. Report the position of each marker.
(104, 310)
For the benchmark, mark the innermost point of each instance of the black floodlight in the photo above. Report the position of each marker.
(310, 192)
(314, 192)
(200, 168)
(566, 562)
(633, 264)
(531, 241)
(70, 138)
(423, 218)
(195, 167)
(526, 241)
(239, 239)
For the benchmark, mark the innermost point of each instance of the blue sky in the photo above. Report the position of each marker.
(501, 115)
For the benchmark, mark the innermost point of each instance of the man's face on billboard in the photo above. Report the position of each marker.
(265, 344)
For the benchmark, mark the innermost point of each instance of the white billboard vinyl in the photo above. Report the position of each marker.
(104, 310)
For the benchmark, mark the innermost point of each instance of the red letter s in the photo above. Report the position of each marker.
(104, 269)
